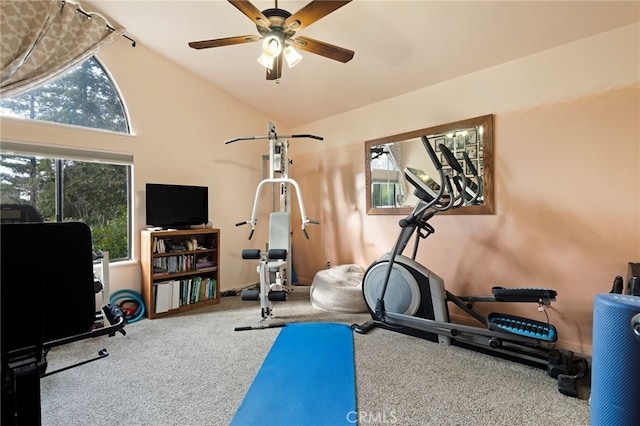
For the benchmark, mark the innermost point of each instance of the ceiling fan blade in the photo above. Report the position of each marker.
(313, 11)
(324, 49)
(276, 72)
(228, 41)
(251, 12)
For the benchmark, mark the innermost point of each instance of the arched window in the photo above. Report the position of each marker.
(72, 184)
(84, 96)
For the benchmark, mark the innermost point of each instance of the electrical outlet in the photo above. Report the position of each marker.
(328, 265)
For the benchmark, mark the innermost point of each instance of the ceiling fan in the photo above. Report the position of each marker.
(277, 27)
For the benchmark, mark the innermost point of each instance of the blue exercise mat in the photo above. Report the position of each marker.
(307, 378)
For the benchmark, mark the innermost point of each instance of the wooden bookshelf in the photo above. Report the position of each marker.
(180, 270)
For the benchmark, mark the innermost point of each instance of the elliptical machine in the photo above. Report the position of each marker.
(274, 265)
(404, 296)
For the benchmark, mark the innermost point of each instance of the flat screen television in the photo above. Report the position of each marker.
(176, 206)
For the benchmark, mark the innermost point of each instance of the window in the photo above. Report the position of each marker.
(84, 96)
(71, 184)
(94, 193)
(384, 185)
(384, 194)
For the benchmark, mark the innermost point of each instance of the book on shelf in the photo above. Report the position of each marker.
(197, 289)
(159, 245)
(173, 264)
(175, 295)
(168, 295)
(166, 245)
(163, 296)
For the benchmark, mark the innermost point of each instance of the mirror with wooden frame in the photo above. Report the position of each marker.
(388, 191)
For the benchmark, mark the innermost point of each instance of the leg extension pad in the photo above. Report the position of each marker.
(250, 294)
(278, 254)
(251, 254)
(278, 296)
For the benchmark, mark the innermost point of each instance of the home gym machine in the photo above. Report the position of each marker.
(47, 299)
(274, 268)
(404, 296)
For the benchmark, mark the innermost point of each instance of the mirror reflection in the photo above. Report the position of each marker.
(470, 141)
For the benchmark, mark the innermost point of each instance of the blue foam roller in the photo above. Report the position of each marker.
(615, 371)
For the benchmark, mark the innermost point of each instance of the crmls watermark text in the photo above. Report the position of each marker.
(372, 417)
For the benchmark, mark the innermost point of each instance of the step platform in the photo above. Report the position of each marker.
(522, 326)
(533, 295)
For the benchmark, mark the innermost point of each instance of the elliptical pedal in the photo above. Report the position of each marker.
(526, 294)
(522, 326)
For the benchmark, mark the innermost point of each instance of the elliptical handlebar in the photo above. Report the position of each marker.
(443, 188)
(453, 189)
(459, 199)
(469, 163)
(448, 191)
(451, 159)
(434, 158)
(459, 179)
(474, 172)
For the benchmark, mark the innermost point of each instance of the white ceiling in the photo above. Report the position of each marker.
(400, 46)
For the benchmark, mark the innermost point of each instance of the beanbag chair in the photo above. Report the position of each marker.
(338, 289)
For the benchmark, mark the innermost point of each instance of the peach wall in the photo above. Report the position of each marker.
(567, 150)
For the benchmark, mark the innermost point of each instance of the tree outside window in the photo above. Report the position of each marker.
(63, 189)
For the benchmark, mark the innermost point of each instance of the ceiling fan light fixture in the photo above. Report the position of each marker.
(272, 45)
(292, 56)
(266, 60)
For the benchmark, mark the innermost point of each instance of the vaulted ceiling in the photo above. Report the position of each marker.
(400, 46)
